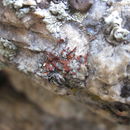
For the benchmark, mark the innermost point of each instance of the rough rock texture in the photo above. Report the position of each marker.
(80, 55)
(17, 112)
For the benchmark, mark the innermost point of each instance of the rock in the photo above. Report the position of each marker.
(81, 5)
(81, 55)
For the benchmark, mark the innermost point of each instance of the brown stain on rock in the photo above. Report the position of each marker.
(81, 5)
(43, 4)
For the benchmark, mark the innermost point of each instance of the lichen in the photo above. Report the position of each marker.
(7, 48)
(21, 12)
(8, 2)
(116, 33)
(57, 15)
(64, 68)
(18, 5)
(66, 65)
(54, 16)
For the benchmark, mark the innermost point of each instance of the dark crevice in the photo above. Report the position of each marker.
(125, 91)
(8, 92)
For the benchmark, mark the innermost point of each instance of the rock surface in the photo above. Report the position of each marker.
(83, 56)
(18, 112)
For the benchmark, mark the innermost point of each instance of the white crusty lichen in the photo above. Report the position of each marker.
(111, 63)
(21, 13)
(54, 16)
(120, 33)
(114, 18)
(7, 48)
(57, 15)
(110, 69)
(117, 33)
(8, 2)
(19, 6)
(18, 3)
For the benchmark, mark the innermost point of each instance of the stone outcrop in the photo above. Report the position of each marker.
(79, 53)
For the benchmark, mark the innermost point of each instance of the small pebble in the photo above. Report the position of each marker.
(81, 5)
(43, 4)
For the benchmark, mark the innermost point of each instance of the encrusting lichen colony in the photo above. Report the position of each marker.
(92, 43)
(116, 33)
(7, 48)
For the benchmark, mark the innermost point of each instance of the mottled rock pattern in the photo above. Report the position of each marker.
(82, 55)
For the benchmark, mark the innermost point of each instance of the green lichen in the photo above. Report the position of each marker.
(7, 48)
